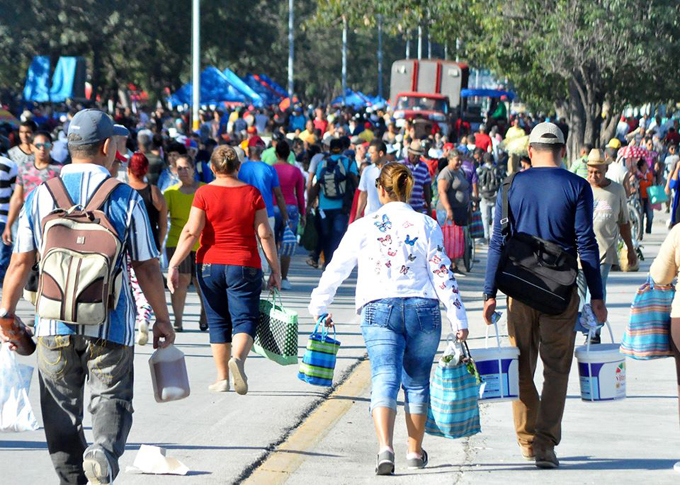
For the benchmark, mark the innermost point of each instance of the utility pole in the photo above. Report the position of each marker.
(196, 60)
(291, 49)
(380, 57)
(408, 44)
(344, 60)
(457, 50)
(420, 42)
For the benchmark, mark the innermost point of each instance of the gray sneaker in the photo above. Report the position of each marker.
(418, 463)
(384, 464)
(97, 468)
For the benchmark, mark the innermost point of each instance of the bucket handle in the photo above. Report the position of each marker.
(591, 332)
(500, 363)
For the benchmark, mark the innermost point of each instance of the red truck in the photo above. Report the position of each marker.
(427, 92)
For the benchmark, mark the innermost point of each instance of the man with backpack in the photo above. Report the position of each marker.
(543, 223)
(79, 226)
(489, 181)
(336, 182)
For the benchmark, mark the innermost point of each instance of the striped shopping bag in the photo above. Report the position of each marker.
(318, 363)
(647, 333)
(454, 406)
(288, 242)
(476, 225)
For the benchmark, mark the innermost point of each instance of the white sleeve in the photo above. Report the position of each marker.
(363, 182)
(344, 260)
(444, 282)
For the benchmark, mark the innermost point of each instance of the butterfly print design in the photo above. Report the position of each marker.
(391, 252)
(411, 257)
(410, 241)
(384, 225)
(454, 291)
(404, 269)
(443, 285)
(386, 241)
(407, 224)
(436, 260)
(388, 264)
(440, 249)
(457, 304)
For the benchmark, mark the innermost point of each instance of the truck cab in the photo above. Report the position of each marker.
(425, 110)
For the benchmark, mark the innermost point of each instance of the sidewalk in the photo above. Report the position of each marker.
(630, 441)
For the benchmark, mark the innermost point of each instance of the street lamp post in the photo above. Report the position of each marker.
(344, 60)
(291, 50)
(380, 57)
(195, 60)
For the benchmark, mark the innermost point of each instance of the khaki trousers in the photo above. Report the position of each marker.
(538, 421)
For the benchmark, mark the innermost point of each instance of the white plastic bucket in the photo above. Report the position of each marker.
(499, 369)
(602, 370)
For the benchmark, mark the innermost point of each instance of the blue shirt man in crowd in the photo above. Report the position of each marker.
(556, 205)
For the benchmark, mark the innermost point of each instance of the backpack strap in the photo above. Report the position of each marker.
(102, 193)
(505, 212)
(57, 190)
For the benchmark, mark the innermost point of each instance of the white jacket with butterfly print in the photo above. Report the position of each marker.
(400, 254)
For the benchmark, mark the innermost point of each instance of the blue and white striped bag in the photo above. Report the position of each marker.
(454, 406)
(647, 334)
(288, 242)
(318, 363)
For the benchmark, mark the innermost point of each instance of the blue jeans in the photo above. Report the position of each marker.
(647, 214)
(5, 256)
(333, 227)
(231, 299)
(402, 336)
(293, 221)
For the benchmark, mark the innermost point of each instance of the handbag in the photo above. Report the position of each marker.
(454, 402)
(288, 242)
(534, 271)
(454, 240)
(309, 238)
(318, 362)
(647, 334)
(657, 194)
(16, 413)
(277, 331)
(476, 225)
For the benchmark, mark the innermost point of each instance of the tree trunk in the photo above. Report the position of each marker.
(96, 71)
(609, 128)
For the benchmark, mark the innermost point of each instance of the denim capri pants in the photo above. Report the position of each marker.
(231, 299)
(402, 336)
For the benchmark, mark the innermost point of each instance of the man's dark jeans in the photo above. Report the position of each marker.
(5, 256)
(64, 362)
(333, 227)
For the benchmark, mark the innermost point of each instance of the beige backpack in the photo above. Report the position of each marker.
(77, 278)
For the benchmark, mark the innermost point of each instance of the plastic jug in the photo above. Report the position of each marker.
(169, 374)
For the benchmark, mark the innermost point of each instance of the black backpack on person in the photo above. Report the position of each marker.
(489, 182)
(534, 271)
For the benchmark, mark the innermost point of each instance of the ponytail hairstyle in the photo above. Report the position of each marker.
(397, 181)
(224, 160)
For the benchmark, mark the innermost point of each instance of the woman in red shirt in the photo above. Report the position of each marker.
(228, 215)
(645, 177)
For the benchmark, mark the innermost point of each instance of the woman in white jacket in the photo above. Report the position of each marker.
(403, 273)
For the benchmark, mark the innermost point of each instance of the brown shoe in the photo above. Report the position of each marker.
(546, 458)
(527, 452)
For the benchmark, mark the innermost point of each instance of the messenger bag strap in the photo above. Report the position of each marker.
(57, 190)
(102, 193)
(505, 211)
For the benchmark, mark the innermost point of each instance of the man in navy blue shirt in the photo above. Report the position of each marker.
(554, 204)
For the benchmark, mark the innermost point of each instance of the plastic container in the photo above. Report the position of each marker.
(169, 374)
(499, 369)
(16, 331)
(602, 370)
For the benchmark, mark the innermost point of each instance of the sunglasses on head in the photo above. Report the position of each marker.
(40, 146)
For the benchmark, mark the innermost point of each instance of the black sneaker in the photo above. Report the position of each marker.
(546, 458)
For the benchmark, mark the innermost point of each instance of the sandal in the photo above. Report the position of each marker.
(312, 263)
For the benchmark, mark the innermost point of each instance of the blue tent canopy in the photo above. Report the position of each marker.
(215, 89)
(37, 87)
(359, 100)
(268, 96)
(243, 88)
(276, 87)
(486, 93)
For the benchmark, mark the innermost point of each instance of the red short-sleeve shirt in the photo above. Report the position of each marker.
(229, 233)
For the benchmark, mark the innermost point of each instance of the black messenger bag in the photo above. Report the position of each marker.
(534, 271)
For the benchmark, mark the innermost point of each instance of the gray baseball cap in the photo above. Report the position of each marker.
(547, 134)
(91, 126)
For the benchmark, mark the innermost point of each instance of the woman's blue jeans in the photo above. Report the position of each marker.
(402, 336)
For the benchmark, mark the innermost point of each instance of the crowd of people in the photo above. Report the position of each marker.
(217, 206)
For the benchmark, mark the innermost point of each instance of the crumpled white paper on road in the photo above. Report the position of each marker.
(152, 460)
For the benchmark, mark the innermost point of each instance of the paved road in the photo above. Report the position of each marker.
(224, 438)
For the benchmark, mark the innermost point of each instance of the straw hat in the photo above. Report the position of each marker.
(416, 148)
(595, 158)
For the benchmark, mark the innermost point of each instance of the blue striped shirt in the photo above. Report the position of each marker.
(421, 177)
(126, 211)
